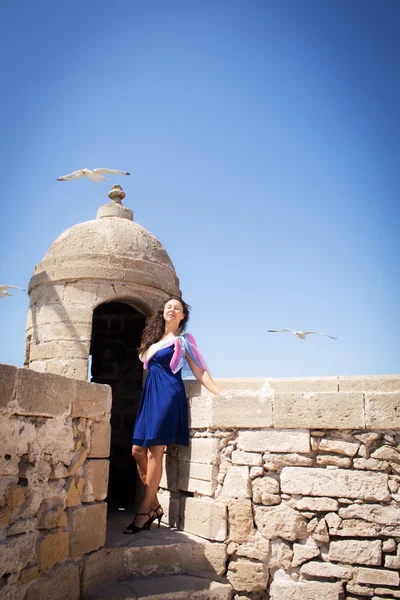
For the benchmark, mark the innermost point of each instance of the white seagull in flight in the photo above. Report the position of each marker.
(302, 334)
(4, 288)
(94, 175)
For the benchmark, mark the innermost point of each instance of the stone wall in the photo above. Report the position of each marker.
(54, 445)
(298, 479)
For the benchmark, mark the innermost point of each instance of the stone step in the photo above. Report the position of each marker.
(164, 551)
(157, 553)
(178, 587)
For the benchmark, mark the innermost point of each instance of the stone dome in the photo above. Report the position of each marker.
(110, 247)
(108, 260)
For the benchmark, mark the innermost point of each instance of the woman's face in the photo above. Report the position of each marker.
(173, 312)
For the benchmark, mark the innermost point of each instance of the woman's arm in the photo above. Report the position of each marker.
(202, 376)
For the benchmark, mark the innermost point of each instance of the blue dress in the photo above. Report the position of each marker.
(163, 411)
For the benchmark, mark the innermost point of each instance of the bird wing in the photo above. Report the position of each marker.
(278, 330)
(7, 287)
(109, 172)
(320, 333)
(74, 175)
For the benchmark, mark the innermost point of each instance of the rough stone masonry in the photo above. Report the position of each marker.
(294, 485)
(299, 480)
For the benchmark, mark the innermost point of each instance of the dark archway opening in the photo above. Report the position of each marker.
(116, 333)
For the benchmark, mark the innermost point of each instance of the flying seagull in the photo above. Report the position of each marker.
(3, 289)
(94, 175)
(302, 334)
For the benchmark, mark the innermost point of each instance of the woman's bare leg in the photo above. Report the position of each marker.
(140, 454)
(154, 473)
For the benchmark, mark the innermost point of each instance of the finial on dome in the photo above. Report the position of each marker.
(116, 194)
(115, 207)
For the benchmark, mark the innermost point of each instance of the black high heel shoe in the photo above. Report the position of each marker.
(158, 515)
(135, 529)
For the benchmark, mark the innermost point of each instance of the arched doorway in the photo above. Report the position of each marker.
(116, 333)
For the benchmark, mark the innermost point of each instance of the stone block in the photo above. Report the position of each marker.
(52, 549)
(387, 453)
(50, 517)
(389, 545)
(387, 592)
(15, 496)
(200, 450)
(5, 515)
(29, 574)
(373, 513)
(303, 384)
(358, 528)
(371, 464)
(73, 368)
(100, 439)
(344, 462)
(98, 568)
(87, 528)
(204, 560)
(304, 552)
(355, 588)
(241, 411)
(280, 522)
(319, 410)
(339, 446)
(194, 388)
(338, 483)
(198, 486)
(170, 506)
(247, 576)
(92, 401)
(95, 474)
(200, 412)
(237, 483)
(317, 504)
(382, 411)
(169, 478)
(8, 377)
(376, 576)
(43, 394)
(240, 520)
(206, 472)
(204, 517)
(325, 569)
(271, 440)
(371, 383)
(310, 590)
(274, 462)
(392, 562)
(60, 349)
(239, 457)
(150, 561)
(77, 461)
(55, 437)
(74, 487)
(256, 472)
(263, 487)
(17, 552)
(65, 580)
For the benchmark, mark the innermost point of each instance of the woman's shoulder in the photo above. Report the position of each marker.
(188, 336)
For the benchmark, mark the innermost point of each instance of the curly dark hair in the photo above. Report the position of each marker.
(155, 325)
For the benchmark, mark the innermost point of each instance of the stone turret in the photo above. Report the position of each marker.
(109, 259)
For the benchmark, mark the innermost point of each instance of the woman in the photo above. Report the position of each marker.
(163, 412)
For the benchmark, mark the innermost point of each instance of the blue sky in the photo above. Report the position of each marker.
(263, 142)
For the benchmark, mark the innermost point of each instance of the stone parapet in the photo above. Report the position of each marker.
(308, 471)
(339, 403)
(51, 494)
